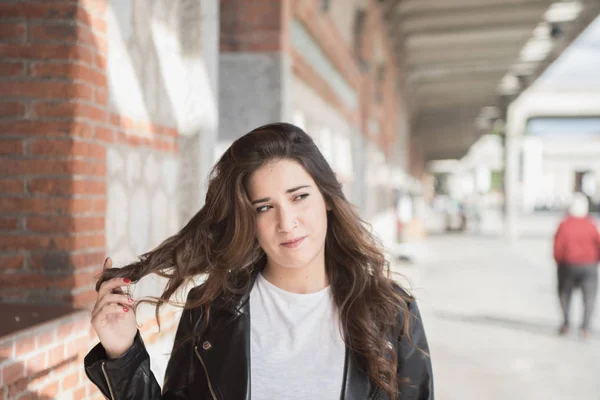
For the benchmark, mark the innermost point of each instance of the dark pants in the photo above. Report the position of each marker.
(571, 277)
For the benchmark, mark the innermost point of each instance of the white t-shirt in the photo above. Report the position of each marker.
(297, 350)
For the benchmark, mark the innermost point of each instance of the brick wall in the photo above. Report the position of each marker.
(53, 90)
(46, 361)
(56, 125)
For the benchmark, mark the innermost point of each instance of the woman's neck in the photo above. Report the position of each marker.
(309, 279)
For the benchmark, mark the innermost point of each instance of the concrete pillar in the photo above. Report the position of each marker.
(197, 147)
(514, 129)
(255, 69)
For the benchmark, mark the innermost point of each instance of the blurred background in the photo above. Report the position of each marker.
(459, 128)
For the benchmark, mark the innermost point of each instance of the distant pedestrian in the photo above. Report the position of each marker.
(577, 253)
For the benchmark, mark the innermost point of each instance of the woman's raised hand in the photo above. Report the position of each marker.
(113, 316)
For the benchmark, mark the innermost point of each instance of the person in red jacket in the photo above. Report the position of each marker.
(577, 253)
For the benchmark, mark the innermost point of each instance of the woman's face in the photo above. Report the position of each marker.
(291, 214)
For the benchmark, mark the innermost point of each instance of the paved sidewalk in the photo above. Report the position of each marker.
(491, 314)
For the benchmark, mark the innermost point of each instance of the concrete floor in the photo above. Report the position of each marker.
(491, 315)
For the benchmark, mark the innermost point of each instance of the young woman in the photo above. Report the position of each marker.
(297, 301)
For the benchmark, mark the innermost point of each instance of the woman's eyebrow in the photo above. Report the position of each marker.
(292, 190)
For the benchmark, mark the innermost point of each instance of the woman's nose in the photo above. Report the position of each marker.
(287, 221)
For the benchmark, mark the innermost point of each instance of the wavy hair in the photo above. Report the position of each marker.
(220, 243)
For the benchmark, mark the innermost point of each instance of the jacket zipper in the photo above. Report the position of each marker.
(375, 394)
(112, 395)
(212, 392)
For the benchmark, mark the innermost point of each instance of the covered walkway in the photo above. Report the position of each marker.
(492, 315)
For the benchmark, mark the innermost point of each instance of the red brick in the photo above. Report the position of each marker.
(98, 25)
(49, 391)
(11, 69)
(12, 372)
(10, 31)
(12, 186)
(59, 242)
(54, 167)
(11, 146)
(53, 31)
(47, 90)
(100, 96)
(104, 134)
(62, 109)
(99, 205)
(101, 45)
(12, 109)
(89, 75)
(36, 364)
(84, 299)
(100, 61)
(42, 128)
(67, 148)
(46, 339)
(25, 345)
(8, 223)
(51, 69)
(19, 388)
(70, 381)
(62, 187)
(14, 262)
(65, 224)
(6, 350)
(115, 119)
(76, 261)
(69, 70)
(50, 205)
(171, 132)
(34, 281)
(47, 51)
(38, 10)
(64, 330)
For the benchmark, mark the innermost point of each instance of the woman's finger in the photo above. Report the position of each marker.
(110, 309)
(111, 284)
(120, 299)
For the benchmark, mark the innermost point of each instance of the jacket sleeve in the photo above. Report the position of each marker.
(130, 377)
(415, 374)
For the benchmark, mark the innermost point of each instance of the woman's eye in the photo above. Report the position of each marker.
(262, 209)
(301, 196)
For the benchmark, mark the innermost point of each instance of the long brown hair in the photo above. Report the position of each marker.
(220, 242)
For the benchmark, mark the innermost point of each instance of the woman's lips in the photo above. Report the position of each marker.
(294, 243)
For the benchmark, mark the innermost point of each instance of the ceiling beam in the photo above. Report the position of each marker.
(472, 18)
(489, 37)
(412, 8)
(591, 10)
(490, 53)
(469, 29)
(443, 72)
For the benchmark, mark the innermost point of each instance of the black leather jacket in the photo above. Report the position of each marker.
(213, 363)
